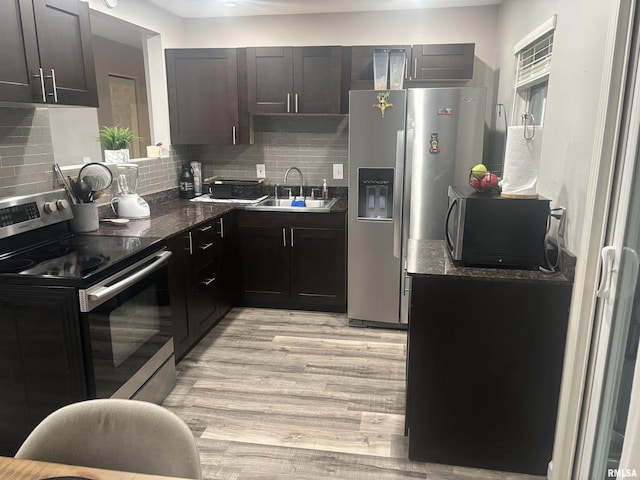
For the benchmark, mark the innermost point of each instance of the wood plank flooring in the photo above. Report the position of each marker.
(281, 394)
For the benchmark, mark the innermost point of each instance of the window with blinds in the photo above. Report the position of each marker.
(532, 68)
(534, 62)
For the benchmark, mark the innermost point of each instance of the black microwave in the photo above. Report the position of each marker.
(485, 229)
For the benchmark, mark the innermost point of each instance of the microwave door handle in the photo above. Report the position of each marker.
(446, 225)
(104, 293)
(397, 195)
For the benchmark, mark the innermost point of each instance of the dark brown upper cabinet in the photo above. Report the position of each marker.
(362, 63)
(205, 89)
(294, 79)
(424, 63)
(46, 55)
(452, 61)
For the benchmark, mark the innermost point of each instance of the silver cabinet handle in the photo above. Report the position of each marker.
(415, 68)
(234, 138)
(406, 68)
(288, 103)
(297, 103)
(222, 228)
(207, 281)
(206, 246)
(284, 237)
(190, 244)
(291, 237)
(55, 86)
(204, 229)
(42, 89)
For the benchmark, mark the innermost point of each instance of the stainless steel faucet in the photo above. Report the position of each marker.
(286, 174)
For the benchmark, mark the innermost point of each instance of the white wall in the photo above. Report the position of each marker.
(162, 30)
(73, 134)
(449, 25)
(576, 154)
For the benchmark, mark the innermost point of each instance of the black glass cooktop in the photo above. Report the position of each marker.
(74, 257)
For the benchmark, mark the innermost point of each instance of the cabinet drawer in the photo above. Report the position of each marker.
(203, 241)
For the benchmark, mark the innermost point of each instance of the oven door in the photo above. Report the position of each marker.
(127, 320)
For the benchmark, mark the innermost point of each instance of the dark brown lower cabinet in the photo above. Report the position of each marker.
(41, 363)
(483, 371)
(293, 260)
(202, 280)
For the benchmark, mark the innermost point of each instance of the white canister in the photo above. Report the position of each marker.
(85, 217)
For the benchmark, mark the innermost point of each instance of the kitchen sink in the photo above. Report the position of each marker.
(272, 204)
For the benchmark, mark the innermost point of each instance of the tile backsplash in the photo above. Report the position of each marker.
(311, 143)
(26, 151)
(27, 157)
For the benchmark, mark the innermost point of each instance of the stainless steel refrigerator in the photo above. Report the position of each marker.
(405, 148)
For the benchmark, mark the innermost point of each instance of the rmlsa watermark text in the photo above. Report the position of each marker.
(622, 473)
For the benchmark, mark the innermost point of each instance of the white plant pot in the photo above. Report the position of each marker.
(116, 156)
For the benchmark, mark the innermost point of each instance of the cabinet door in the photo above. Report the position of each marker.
(442, 62)
(270, 79)
(202, 300)
(317, 79)
(362, 65)
(178, 274)
(19, 52)
(41, 360)
(318, 268)
(66, 57)
(226, 229)
(203, 95)
(264, 252)
(485, 365)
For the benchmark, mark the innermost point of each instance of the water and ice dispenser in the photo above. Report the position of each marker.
(375, 193)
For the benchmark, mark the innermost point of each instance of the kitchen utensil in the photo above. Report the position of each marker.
(65, 183)
(97, 175)
(115, 221)
(82, 190)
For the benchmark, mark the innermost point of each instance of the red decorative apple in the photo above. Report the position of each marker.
(489, 181)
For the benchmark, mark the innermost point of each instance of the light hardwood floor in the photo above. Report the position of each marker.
(281, 394)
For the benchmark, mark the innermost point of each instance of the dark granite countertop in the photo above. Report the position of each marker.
(431, 257)
(174, 216)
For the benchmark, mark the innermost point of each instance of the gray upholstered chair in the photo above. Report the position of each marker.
(116, 434)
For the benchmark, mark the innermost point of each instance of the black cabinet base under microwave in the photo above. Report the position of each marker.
(489, 230)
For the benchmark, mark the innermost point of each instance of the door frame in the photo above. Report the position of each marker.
(567, 442)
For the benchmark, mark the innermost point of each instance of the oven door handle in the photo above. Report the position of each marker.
(102, 293)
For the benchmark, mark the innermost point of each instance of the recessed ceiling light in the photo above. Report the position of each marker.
(230, 4)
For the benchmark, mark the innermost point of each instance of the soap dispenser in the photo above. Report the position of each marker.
(325, 190)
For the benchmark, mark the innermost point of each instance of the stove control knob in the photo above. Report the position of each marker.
(62, 204)
(50, 207)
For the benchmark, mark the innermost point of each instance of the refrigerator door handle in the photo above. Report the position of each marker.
(397, 194)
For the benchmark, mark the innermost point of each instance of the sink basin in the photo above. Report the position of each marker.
(284, 204)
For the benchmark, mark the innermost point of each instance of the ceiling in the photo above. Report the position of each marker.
(216, 8)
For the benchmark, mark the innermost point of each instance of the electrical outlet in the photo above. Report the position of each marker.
(337, 171)
(261, 171)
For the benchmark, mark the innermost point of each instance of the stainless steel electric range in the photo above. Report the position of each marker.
(81, 315)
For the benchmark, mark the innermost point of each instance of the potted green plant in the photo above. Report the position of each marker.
(115, 141)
